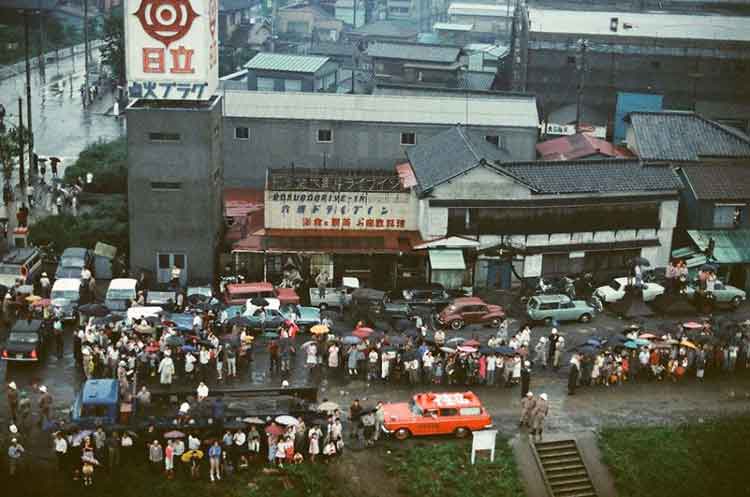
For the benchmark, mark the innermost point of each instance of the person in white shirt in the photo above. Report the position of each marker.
(190, 361)
(372, 365)
(202, 391)
(61, 450)
(491, 363)
(428, 361)
(194, 442)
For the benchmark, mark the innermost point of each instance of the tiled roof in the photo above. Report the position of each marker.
(593, 176)
(475, 80)
(414, 52)
(448, 154)
(389, 29)
(286, 62)
(719, 181)
(578, 146)
(684, 136)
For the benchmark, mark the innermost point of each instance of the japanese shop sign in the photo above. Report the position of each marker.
(340, 210)
(171, 49)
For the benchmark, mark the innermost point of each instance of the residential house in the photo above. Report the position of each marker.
(304, 21)
(683, 136)
(580, 146)
(541, 218)
(715, 216)
(254, 34)
(411, 62)
(493, 21)
(449, 33)
(348, 10)
(232, 15)
(391, 30)
(286, 72)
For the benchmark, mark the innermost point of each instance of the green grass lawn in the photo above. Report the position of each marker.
(445, 470)
(709, 459)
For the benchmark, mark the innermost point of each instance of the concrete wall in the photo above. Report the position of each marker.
(186, 220)
(278, 143)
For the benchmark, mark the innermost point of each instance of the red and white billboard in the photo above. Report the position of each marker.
(172, 49)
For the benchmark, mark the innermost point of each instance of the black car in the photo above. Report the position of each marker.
(426, 295)
(370, 305)
(27, 341)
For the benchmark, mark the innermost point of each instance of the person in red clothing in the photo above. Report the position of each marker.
(292, 328)
(22, 216)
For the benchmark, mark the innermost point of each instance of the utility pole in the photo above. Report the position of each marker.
(21, 174)
(581, 67)
(42, 61)
(86, 52)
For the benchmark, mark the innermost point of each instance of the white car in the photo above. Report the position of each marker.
(615, 291)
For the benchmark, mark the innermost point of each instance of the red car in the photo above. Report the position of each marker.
(471, 310)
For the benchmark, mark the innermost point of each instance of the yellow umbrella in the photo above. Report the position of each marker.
(187, 456)
(33, 298)
(688, 343)
(319, 329)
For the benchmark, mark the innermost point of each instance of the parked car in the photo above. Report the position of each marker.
(432, 296)
(265, 319)
(371, 305)
(120, 294)
(23, 264)
(471, 310)
(27, 341)
(304, 316)
(337, 298)
(722, 294)
(550, 308)
(239, 293)
(74, 258)
(65, 296)
(615, 290)
(436, 414)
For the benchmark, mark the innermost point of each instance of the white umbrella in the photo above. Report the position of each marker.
(328, 406)
(287, 421)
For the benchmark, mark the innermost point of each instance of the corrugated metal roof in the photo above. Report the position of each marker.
(647, 24)
(452, 259)
(414, 52)
(731, 246)
(684, 136)
(286, 62)
(501, 111)
(479, 9)
(452, 26)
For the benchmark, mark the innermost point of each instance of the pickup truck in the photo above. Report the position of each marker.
(338, 298)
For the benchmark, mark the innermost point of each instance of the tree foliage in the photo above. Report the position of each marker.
(108, 162)
(113, 50)
(10, 147)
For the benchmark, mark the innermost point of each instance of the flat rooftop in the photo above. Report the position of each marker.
(502, 111)
(661, 25)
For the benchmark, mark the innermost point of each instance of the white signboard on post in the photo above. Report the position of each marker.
(172, 49)
(483, 440)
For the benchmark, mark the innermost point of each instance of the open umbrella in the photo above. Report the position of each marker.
(588, 350)
(641, 342)
(286, 420)
(189, 348)
(174, 434)
(108, 319)
(648, 336)
(259, 302)
(175, 341)
(468, 350)
(274, 429)
(709, 268)
(33, 298)
(270, 334)
(471, 343)
(80, 436)
(362, 332)
(692, 325)
(593, 342)
(188, 456)
(41, 303)
(239, 321)
(397, 340)
(455, 340)
(253, 421)
(485, 350)
(505, 350)
(96, 310)
(319, 329)
(630, 344)
(351, 340)
(448, 350)
(689, 344)
(328, 406)
(308, 343)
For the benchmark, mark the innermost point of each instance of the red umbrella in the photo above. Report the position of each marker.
(471, 343)
(648, 336)
(362, 332)
(692, 325)
(274, 429)
(41, 303)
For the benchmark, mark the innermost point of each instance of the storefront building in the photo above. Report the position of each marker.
(359, 223)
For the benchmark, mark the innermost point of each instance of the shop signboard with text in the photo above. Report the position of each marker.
(171, 49)
(340, 210)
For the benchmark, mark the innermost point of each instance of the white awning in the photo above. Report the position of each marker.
(447, 259)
